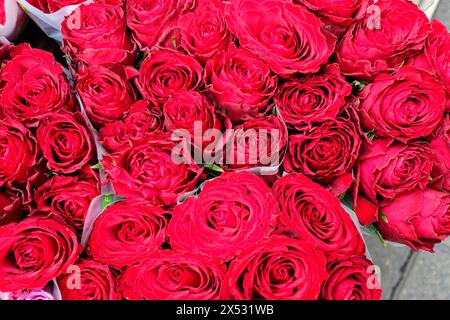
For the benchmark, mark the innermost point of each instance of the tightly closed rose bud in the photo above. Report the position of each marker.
(290, 39)
(280, 268)
(67, 197)
(35, 251)
(149, 172)
(387, 168)
(168, 275)
(95, 34)
(383, 39)
(126, 232)
(65, 142)
(165, 72)
(351, 278)
(440, 145)
(317, 216)
(51, 6)
(96, 282)
(241, 83)
(419, 219)
(407, 105)
(231, 212)
(313, 99)
(33, 86)
(106, 93)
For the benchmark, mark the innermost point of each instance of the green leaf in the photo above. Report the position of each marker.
(430, 178)
(174, 43)
(371, 135)
(342, 196)
(49, 174)
(359, 85)
(214, 167)
(275, 111)
(97, 166)
(107, 200)
(383, 217)
(371, 228)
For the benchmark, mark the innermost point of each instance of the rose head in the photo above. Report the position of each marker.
(231, 212)
(440, 145)
(419, 219)
(168, 275)
(51, 6)
(286, 36)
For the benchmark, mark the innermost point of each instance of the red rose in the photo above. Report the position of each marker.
(167, 275)
(107, 95)
(387, 168)
(419, 219)
(231, 212)
(204, 32)
(317, 216)
(51, 6)
(241, 83)
(96, 282)
(67, 197)
(351, 278)
(440, 145)
(95, 34)
(126, 232)
(314, 98)
(149, 172)
(11, 206)
(279, 268)
(35, 251)
(66, 142)
(327, 152)
(33, 86)
(151, 22)
(164, 73)
(407, 105)
(290, 39)
(18, 154)
(114, 137)
(383, 39)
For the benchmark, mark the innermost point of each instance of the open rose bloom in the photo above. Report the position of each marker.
(213, 149)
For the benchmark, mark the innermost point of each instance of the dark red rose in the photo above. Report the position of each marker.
(231, 212)
(165, 72)
(168, 275)
(314, 98)
(35, 251)
(67, 197)
(149, 172)
(352, 278)
(290, 39)
(280, 268)
(440, 145)
(407, 105)
(66, 142)
(11, 206)
(419, 219)
(241, 83)
(95, 34)
(33, 86)
(51, 6)
(327, 152)
(317, 216)
(96, 282)
(383, 39)
(151, 22)
(106, 94)
(387, 168)
(126, 232)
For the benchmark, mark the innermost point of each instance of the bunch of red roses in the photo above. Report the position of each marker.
(352, 101)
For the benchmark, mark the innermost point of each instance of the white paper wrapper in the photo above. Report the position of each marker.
(15, 22)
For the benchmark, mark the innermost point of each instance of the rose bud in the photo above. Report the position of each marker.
(280, 268)
(33, 86)
(231, 212)
(407, 105)
(440, 145)
(66, 142)
(67, 197)
(314, 98)
(351, 278)
(35, 251)
(126, 232)
(95, 34)
(387, 168)
(317, 216)
(168, 275)
(51, 6)
(241, 83)
(290, 39)
(106, 94)
(419, 219)
(149, 172)
(96, 281)
(165, 72)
